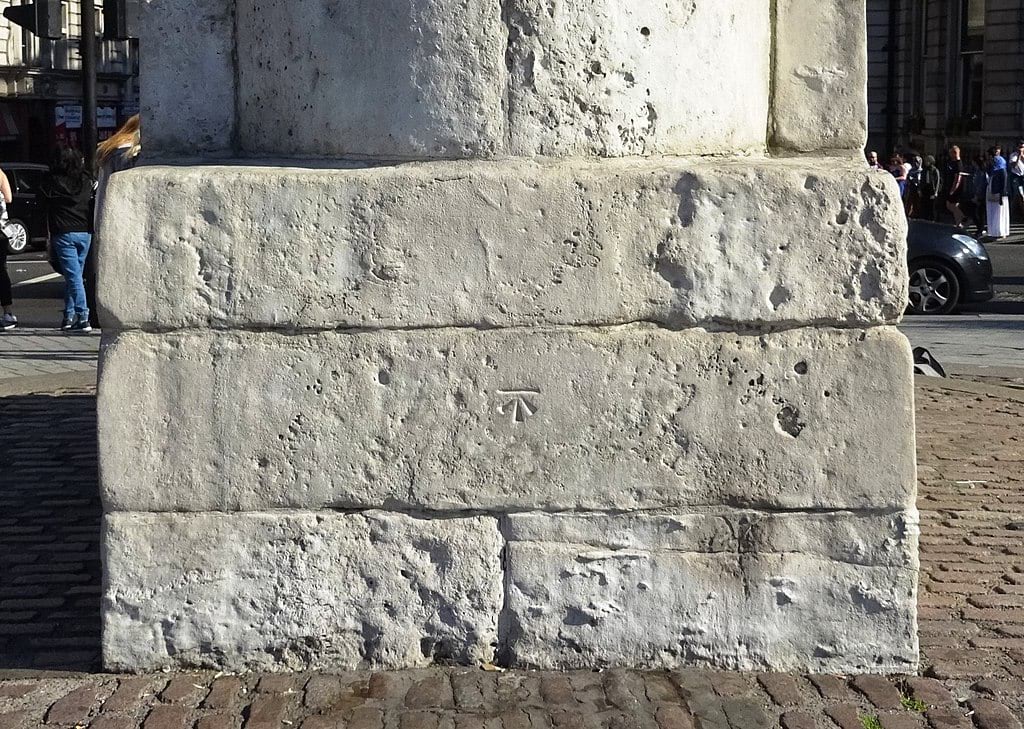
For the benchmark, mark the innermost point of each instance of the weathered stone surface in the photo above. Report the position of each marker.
(441, 244)
(611, 78)
(188, 97)
(567, 418)
(391, 78)
(468, 78)
(291, 590)
(820, 92)
(832, 592)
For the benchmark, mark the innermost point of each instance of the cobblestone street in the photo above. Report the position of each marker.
(971, 456)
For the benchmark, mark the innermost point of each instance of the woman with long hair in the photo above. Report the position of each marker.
(67, 197)
(119, 152)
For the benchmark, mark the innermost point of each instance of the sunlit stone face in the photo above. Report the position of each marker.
(468, 78)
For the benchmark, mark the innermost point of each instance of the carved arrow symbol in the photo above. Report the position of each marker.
(519, 405)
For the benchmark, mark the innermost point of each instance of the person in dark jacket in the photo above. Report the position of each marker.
(931, 184)
(67, 192)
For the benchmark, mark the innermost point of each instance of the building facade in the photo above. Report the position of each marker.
(945, 72)
(41, 87)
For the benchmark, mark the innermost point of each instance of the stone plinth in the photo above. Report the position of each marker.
(547, 334)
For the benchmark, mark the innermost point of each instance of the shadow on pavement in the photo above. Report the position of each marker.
(994, 307)
(49, 533)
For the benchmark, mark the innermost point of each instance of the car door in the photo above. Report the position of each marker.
(29, 204)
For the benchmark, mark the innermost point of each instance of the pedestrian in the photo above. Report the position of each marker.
(1016, 164)
(931, 184)
(67, 198)
(872, 157)
(977, 191)
(9, 321)
(120, 152)
(998, 201)
(898, 171)
(954, 178)
(912, 198)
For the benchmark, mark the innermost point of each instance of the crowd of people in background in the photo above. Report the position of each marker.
(979, 193)
(73, 199)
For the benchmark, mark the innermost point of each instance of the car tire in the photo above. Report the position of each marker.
(17, 236)
(934, 288)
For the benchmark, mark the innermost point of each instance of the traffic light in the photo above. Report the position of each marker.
(120, 19)
(42, 17)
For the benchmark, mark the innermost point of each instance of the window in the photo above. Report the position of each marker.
(972, 63)
(65, 19)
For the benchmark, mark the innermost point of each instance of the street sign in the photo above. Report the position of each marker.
(106, 117)
(43, 18)
(68, 116)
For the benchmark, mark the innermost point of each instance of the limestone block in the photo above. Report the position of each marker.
(820, 92)
(450, 419)
(402, 79)
(611, 78)
(298, 590)
(467, 244)
(391, 78)
(187, 67)
(829, 592)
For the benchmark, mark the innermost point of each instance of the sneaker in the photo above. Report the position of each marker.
(8, 322)
(81, 326)
(66, 323)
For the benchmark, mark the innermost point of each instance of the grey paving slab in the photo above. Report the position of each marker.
(26, 352)
(992, 340)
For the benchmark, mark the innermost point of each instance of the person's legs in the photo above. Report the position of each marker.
(1017, 192)
(6, 298)
(66, 250)
(954, 209)
(7, 320)
(82, 243)
(68, 259)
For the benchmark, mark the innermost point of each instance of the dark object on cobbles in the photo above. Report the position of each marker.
(926, 364)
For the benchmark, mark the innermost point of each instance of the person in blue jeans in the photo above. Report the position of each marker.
(67, 193)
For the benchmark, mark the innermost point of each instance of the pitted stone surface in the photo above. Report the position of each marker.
(188, 97)
(450, 244)
(605, 77)
(298, 590)
(609, 418)
(820, 91)
(467, 78)
(826, 591)
(384, 78)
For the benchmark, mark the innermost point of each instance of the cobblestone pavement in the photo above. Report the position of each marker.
(971, 453)
(27, 352)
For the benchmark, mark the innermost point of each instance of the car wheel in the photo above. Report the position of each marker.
(17, 236)
(934, 288)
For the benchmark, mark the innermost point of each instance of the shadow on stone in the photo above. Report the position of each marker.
(50, 577)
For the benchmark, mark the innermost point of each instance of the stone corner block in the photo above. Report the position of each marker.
(188, 77)
(819, 592)
(298, 590)
(748, 242)
(820, 76)
(503, 420)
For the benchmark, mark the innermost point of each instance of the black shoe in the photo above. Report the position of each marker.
(81, 326)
